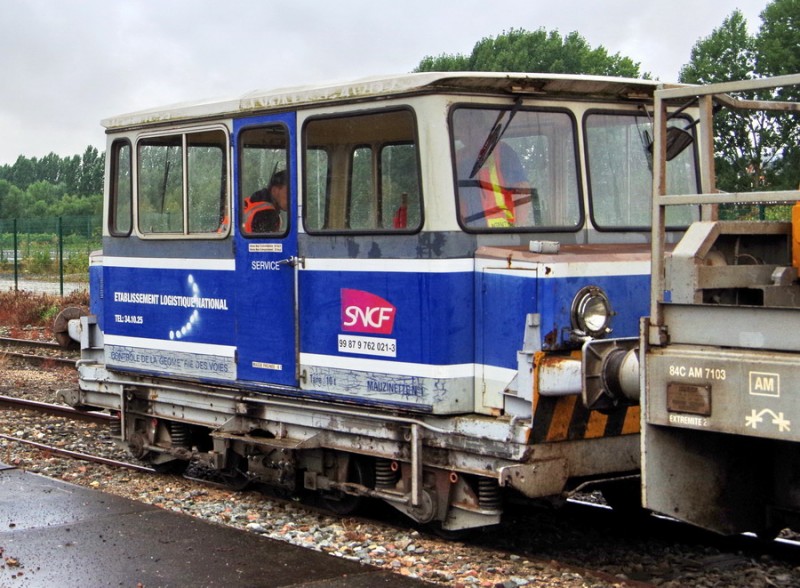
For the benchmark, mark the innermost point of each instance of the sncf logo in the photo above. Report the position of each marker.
(363, 312)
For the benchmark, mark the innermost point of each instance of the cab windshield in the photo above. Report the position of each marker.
(516, 169)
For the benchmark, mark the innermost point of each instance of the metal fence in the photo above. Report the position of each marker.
(48, 254)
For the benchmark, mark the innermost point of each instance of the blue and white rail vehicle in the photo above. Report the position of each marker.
(393, 288)
(721, 406)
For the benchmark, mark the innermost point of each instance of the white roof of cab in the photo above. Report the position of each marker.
(469, 82)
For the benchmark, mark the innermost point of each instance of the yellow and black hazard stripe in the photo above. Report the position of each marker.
(565, 418)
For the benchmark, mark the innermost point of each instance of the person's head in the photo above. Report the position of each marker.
(279, 190)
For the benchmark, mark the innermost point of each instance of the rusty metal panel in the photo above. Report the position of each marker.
(542, 478)
(558, 375)
(593, 457)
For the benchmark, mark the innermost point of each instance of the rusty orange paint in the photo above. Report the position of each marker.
(559, 426)
(537, 359)
(596, 427)
(632, 417)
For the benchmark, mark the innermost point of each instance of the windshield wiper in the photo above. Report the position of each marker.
(494, 136)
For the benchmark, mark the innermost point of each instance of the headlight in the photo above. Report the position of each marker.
(591, 312)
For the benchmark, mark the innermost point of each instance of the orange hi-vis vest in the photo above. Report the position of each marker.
(496, 199)
(251, 211)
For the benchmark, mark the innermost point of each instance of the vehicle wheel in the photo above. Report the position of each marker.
(341, 503)
(235, 475)
(61, 325)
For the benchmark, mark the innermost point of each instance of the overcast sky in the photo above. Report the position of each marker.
(66, 65)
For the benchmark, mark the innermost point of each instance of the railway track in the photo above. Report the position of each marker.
(10, 346)
(51, 449)
(15, 342)
(55, 409)
(581, 540)
(70, 413)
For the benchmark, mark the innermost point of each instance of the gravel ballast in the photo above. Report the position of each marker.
(547, 548)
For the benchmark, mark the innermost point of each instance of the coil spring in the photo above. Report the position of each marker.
(179, 433)
(385, 476)
(489, 494)
(116, 428)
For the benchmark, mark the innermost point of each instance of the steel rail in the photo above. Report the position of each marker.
(40, 359)
(13, 341)
(55, 409)
(79, 456)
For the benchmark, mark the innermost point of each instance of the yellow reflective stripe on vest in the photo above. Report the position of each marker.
(507, 220)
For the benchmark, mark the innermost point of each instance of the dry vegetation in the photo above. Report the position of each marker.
(30, 315)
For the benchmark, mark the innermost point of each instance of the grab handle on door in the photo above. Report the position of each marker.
(293, 261)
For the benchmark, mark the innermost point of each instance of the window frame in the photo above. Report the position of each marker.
(113, 188)
(640, 113)
(330, 171)
(241, 196)
(496, 107)
(223, 229)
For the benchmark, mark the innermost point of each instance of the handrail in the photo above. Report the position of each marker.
(705, 95)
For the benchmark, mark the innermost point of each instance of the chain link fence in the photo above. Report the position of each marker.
(48, 254)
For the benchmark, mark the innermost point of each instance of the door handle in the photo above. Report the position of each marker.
(293, 261)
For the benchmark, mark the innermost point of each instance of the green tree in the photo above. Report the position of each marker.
(48, 168)
(23, 173)
(82, 175)
(444, 62)
(778, 41)
(71, 173)
(41, 197)
(727, 54)
(91, 174)
(752, 149)
(71, 205)
(52, 185)
(11, 200)
(778, 53)
(535, 51)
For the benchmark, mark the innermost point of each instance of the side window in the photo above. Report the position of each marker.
(183, 184)
(361, 212)
(317, 187)
(207, 183)
(160, 193)
(621, 175)
(515, 170)
(361, 173)
(263, 182)
(399, 174)
(120, 217)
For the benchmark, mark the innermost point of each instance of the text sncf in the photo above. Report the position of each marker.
(368, 319)
(364, 312)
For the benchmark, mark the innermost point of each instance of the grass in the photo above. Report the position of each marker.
(30, 315)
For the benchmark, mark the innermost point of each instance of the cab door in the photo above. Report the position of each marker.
(266, 249)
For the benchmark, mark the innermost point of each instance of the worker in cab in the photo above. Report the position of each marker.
(266, 210)
(493, 189)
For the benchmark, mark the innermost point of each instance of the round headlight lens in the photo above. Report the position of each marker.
(591, 311)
